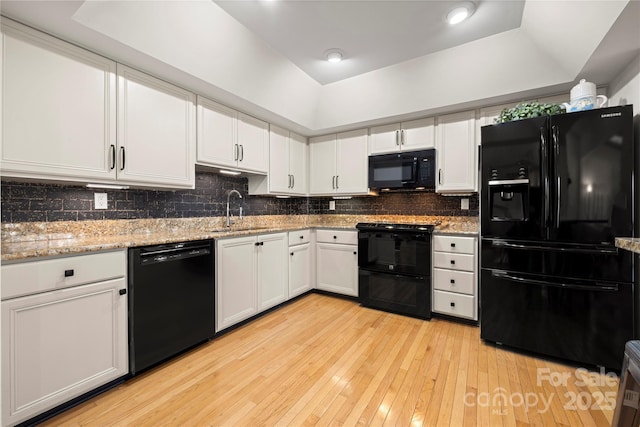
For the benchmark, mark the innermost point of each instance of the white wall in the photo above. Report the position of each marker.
(625, 88)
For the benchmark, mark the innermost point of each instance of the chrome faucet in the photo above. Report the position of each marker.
(229, 220)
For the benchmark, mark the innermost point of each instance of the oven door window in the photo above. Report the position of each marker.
(395, 253)
(393, 172)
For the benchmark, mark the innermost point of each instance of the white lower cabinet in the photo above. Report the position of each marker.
(273, 270)
(337, 261)
(299, 262)
(251, 276)
(455, 278)
(66, 336)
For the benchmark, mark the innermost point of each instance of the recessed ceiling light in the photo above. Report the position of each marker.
(334, 55)
(460, 13)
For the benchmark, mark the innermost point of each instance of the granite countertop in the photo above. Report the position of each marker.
(29, 240)
(628, 243)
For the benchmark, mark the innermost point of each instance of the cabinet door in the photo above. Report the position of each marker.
(253, 143)
(156, 131)
(322, 168)
(217, 132)
(299, 269)
(384, 139)
(59, 345)
(236, 281)
(279, 175)
(272, 270)
(456, 153)
(58, 108)
(298, 164)
(337, 268)
(352, 174)
(418, 134)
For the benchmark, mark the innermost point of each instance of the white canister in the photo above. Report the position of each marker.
(584, 97)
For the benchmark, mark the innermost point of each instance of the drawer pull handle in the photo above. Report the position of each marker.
(453, 245)
(453, 281)
(122, 291)
(453, 261)
(68, 273)
(453, 304)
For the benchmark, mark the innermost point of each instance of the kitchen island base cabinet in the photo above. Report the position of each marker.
(337, 261)
(251, 276)
(62, 343)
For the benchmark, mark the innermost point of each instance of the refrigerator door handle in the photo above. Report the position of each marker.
(545, 174)
(572, 286)
(503, 244)
(556, 154)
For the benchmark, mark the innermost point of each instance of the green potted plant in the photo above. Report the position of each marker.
(526, 110)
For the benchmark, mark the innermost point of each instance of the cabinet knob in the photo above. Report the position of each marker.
(291, 253)
(335, 237)
(302, 237)
(68, 273)
(453, 245)
(453, 281)
(355, 253)
(453, 261)
(122, 291)
(453, 304)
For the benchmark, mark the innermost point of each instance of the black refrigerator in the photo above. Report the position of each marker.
(556, 191)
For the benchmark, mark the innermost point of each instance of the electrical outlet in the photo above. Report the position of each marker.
(332, 205)
(100, 200)
(464, 204)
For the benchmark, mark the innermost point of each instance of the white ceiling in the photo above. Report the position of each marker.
(198, 45)
(372, 34)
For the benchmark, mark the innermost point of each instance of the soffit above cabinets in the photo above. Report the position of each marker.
(536, 50)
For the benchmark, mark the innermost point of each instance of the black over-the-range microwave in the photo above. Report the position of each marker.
(412, 170)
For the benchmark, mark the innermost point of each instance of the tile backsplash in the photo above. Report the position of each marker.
(27, 202)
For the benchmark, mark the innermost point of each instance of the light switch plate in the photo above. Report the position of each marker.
(464, 204)
(332, 205)
(100, 200)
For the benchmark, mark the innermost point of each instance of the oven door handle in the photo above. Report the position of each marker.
(572, 286)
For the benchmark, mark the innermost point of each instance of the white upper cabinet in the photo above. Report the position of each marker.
(156, 131)
(339, 164)
(58, 108)
(253, 143)
(230, 139)
(456, 153)
(288, 170)
(408, 136)
(59, 117)
(322, 167)
(298, 164)
(217, 130)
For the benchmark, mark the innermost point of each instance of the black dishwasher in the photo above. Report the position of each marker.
(171, 300)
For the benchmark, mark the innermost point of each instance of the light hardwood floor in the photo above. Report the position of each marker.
(327, 361)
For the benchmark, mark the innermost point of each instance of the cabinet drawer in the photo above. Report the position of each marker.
(456, 244)
(454, 261)
(454, 304)
(453, 281)
(299, 237)
(344, 237)
(32, 277)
